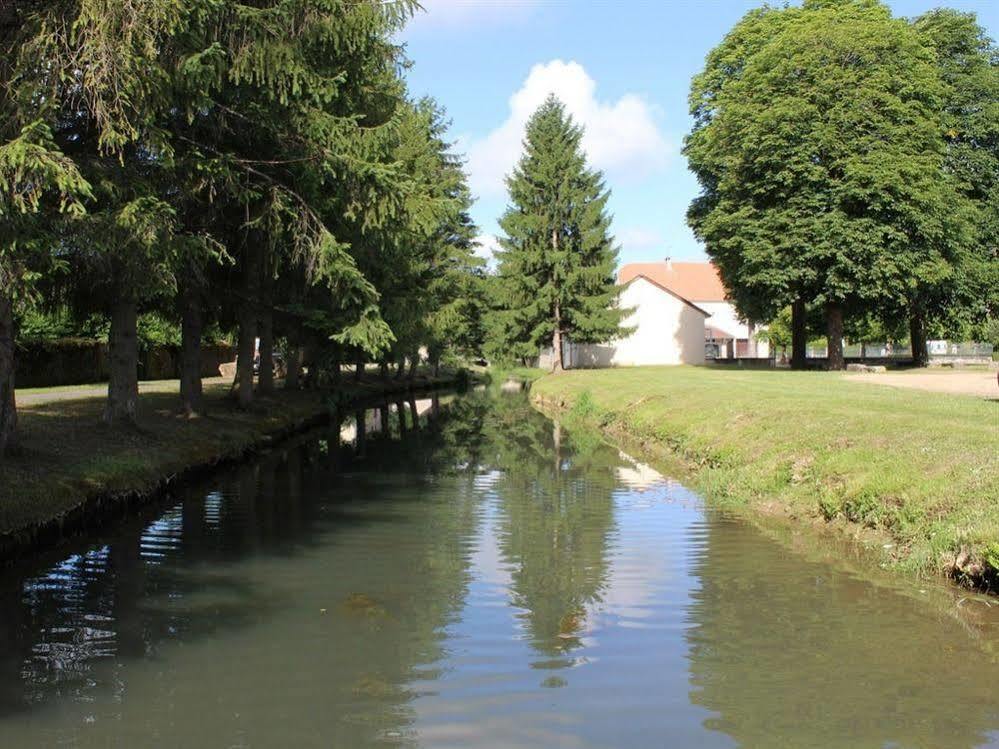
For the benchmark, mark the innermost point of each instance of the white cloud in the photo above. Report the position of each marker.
(622, 137)
(639, 238)
(486, 248)
(466, 13)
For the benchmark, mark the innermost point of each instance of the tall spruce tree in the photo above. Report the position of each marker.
(557, 261)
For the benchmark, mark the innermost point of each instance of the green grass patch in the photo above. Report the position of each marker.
(919, 471)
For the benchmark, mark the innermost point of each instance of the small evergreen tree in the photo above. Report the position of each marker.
(557, 260)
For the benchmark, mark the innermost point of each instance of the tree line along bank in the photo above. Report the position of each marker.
(251, 166)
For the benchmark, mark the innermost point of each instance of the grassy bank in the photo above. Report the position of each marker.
(914, 475)
(72, 470)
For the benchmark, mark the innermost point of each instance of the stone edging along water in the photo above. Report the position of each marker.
(102, 508)
(976, 578)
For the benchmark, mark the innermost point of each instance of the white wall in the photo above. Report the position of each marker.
(666, 331)
(724, 317)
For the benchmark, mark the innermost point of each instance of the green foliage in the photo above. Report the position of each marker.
(818, 142)
(991, 556)
(557, 258)
(32, 168)
(246, 160)
(968, 61)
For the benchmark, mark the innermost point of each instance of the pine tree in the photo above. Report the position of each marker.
(558, 258)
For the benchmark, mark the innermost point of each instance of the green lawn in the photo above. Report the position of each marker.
(916, 472)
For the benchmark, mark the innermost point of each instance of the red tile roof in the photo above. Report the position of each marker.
(695, 282)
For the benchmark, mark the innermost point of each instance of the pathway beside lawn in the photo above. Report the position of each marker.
(980, 382)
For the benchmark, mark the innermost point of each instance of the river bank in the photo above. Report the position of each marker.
(912, 477)
(74, 474)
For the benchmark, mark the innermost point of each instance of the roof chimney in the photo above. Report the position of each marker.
(669, 263)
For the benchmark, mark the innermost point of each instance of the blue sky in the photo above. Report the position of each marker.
(623, 67)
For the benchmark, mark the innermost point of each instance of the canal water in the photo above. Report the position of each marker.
(462, 572)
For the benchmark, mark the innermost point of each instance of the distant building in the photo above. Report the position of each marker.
(726, 335)
(679, 315)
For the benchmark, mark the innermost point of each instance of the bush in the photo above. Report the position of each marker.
(991, 555)
(584, 407)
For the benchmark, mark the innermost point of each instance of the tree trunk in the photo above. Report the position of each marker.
(917, 337)
(383, 369)
(361, 431)
(383, 415)
(400, 368)
(358, 366)
(412, 367)
(265, 376)
(863, 351)
(336, 368)
(834, 336)
(244, 353)
(8, 404)
(292, 378)
(191, 400)
(799, 335)
(123, 385)
(437, 367)
(400, 411)
(414, 412)
(557, 364)
(246, 345)
(309, 361)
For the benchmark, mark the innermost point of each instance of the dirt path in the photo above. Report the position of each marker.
(979, 383)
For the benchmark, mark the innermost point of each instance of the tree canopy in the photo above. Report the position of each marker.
(557, 260)
(259, 165)
(819, 143)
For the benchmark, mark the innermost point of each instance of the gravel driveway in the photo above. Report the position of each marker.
(979, 383)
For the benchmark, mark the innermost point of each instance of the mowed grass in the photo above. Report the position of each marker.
(917, 472)
(67, 455)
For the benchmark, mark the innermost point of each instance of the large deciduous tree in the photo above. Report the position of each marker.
(965, 299)
(557, 259)
(817, 143)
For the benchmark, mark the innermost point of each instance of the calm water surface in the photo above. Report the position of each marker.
(467, 574)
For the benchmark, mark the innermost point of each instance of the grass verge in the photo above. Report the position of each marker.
(912, 474)
(72, 472)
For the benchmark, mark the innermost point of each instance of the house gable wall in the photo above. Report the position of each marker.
(667, 330)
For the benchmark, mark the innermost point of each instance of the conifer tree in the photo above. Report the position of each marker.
(557, 260)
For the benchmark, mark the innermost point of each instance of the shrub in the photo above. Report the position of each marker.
(991, 555)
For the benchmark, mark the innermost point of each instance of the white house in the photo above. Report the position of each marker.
(727, 336)
(665, 329)
(679, 315)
